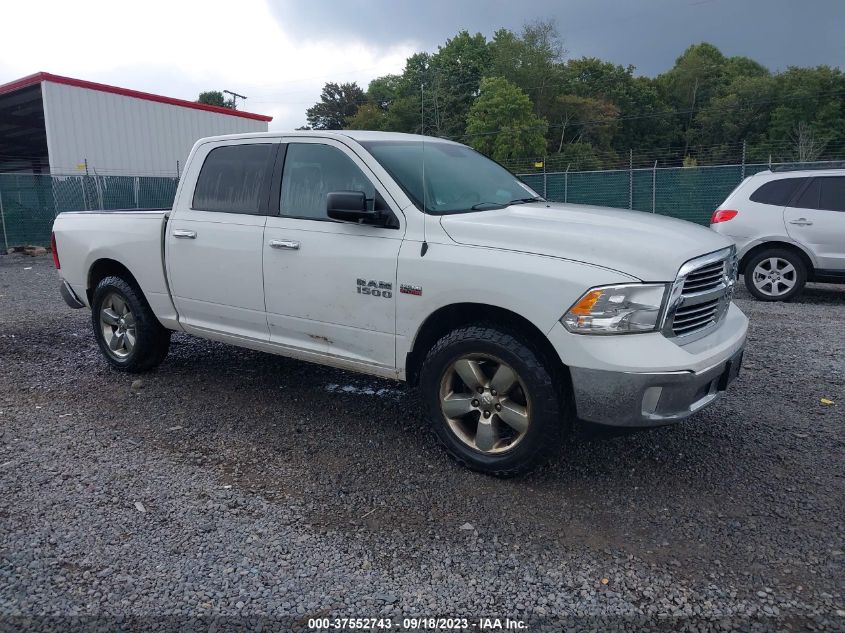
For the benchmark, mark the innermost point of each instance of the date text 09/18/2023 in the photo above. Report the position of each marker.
(418, 624)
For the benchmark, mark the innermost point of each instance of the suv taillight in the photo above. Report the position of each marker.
(723, 215)
(55, 251)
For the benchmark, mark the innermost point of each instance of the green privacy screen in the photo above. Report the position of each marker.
(30, 203)
(689, 193)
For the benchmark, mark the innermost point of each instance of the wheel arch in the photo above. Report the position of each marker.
(776, 244)
(450, 317)
(107, 267)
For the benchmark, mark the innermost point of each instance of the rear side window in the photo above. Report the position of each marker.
(809, 199)
(832, 197)
(232, 179)
(776, 192)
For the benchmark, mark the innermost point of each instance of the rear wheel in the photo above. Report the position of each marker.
(495, 403)
(127, 331)
(775, 275)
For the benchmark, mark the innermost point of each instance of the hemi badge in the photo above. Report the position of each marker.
(408, 289)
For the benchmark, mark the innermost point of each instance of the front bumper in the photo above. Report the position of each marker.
(648, 379)
(649, 399)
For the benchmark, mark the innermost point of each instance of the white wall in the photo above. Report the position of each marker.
(122, 135)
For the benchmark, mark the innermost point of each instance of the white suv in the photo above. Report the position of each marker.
(789, 228)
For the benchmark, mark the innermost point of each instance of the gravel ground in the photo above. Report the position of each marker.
(245, 490)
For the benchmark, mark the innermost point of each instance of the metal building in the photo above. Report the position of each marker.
(62, 126)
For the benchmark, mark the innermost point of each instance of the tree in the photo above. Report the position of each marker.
(531, 60)
(808, 96)
(635, 100)
(455, 75)
(338, 103)
(501, 122)
(806, 146)
(368, 117)
(583, 119)
(696, 77)
(216, 98)
(740, 114)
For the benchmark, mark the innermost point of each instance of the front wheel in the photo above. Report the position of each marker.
(127, 331)
(775, 275)
(495, 403)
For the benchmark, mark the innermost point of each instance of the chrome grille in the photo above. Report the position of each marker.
(701, 295)
(691, 318)
(704, 278)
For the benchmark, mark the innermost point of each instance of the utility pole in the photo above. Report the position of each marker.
(235, 97)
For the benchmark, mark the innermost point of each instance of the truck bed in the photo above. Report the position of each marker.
(131, 237)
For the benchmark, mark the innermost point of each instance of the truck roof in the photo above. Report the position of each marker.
(358, 135)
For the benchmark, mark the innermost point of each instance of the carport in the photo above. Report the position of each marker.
(23, 133)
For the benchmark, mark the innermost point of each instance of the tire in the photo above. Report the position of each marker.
(775, 274)
(128, 333)
(526, 421)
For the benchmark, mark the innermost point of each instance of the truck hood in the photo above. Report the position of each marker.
(646, 246)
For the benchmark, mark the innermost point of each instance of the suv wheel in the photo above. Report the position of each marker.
(495, 404)
(127, 331)
(775, 275)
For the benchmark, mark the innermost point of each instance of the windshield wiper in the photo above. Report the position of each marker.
(502, 205)
(526, 200)
(492, 205)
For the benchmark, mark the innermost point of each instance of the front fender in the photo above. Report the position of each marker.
(536, 287)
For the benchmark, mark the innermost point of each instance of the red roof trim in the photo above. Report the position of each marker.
(37, 78)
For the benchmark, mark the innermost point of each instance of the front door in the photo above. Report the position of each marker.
(817, 220)
(214, 243)
(330, 287)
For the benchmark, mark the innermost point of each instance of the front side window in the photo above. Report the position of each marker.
(832, 195)
(776, 192)
(443, 178)
(232, 178)
(311, 172)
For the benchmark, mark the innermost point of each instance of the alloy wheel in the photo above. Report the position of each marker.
(118, 325)
(485, 403)
(774, 277)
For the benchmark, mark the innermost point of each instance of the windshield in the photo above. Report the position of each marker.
(457, 178)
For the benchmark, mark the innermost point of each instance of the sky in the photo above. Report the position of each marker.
(279, 53)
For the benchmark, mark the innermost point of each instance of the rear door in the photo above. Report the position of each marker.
(330, 287)
(817, 220)
(214, 240)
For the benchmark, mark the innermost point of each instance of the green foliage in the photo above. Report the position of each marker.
(516, 95)
(580, 157)
(338, 103)
(215, 98)
(502, 124)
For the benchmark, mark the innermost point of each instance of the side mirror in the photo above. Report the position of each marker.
(351, 206)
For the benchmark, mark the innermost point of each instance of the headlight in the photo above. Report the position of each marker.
(623, 309)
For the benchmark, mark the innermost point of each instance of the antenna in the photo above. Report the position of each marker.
(424, 247)
(235, 97)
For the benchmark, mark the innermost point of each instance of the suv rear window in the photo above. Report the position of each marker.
(776, 192)
(832, 196)
(232, 178)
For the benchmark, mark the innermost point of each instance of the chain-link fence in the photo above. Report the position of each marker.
(689, 193)
(28, 204)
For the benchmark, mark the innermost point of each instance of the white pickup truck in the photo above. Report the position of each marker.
(418, 259)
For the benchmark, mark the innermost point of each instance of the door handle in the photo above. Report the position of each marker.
(801, 222)
(290, 245)
(185, 235)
